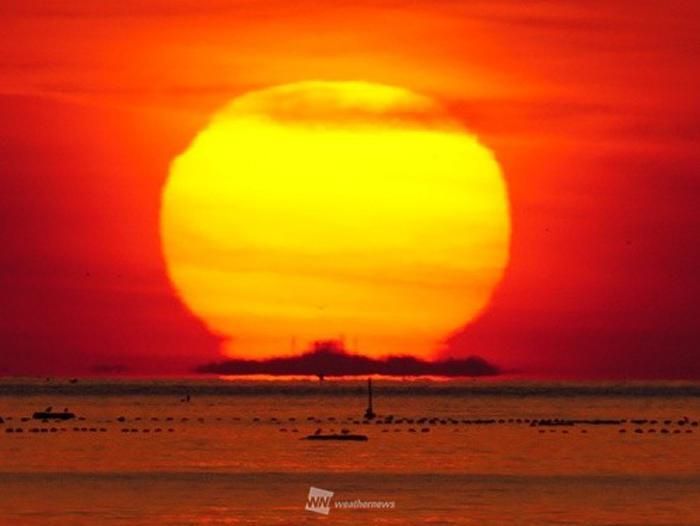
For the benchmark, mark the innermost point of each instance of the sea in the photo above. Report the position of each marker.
(440, 452)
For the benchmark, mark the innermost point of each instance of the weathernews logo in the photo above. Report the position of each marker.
(321, 501)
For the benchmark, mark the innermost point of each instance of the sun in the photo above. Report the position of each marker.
(335, 210)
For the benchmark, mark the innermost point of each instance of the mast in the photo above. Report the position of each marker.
(369, 414)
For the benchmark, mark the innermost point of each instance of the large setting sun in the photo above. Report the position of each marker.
(335, 210)
(369, 262)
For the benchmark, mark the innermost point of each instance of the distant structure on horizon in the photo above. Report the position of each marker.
(329, 358)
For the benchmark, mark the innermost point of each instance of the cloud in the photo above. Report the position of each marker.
(122, 8)
(319, 103)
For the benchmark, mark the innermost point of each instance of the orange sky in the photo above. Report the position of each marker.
(591, 108)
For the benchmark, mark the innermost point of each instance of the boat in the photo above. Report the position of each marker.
(49, 414)
(346, 435)
(355, 438)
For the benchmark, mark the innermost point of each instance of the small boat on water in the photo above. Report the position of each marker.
(345, 434)
(355, 438)
(50, 414)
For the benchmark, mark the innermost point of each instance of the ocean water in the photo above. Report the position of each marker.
(453, 452)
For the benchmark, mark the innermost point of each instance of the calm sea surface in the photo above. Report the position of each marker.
(457, 452)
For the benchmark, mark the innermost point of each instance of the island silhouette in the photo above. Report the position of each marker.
(329, 358)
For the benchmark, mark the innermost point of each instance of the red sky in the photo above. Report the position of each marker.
(591, 108)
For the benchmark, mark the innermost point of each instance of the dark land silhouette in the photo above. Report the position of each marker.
(328, 358)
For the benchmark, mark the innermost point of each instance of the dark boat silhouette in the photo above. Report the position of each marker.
(345, 435)
(335, 436)
(49, 414)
